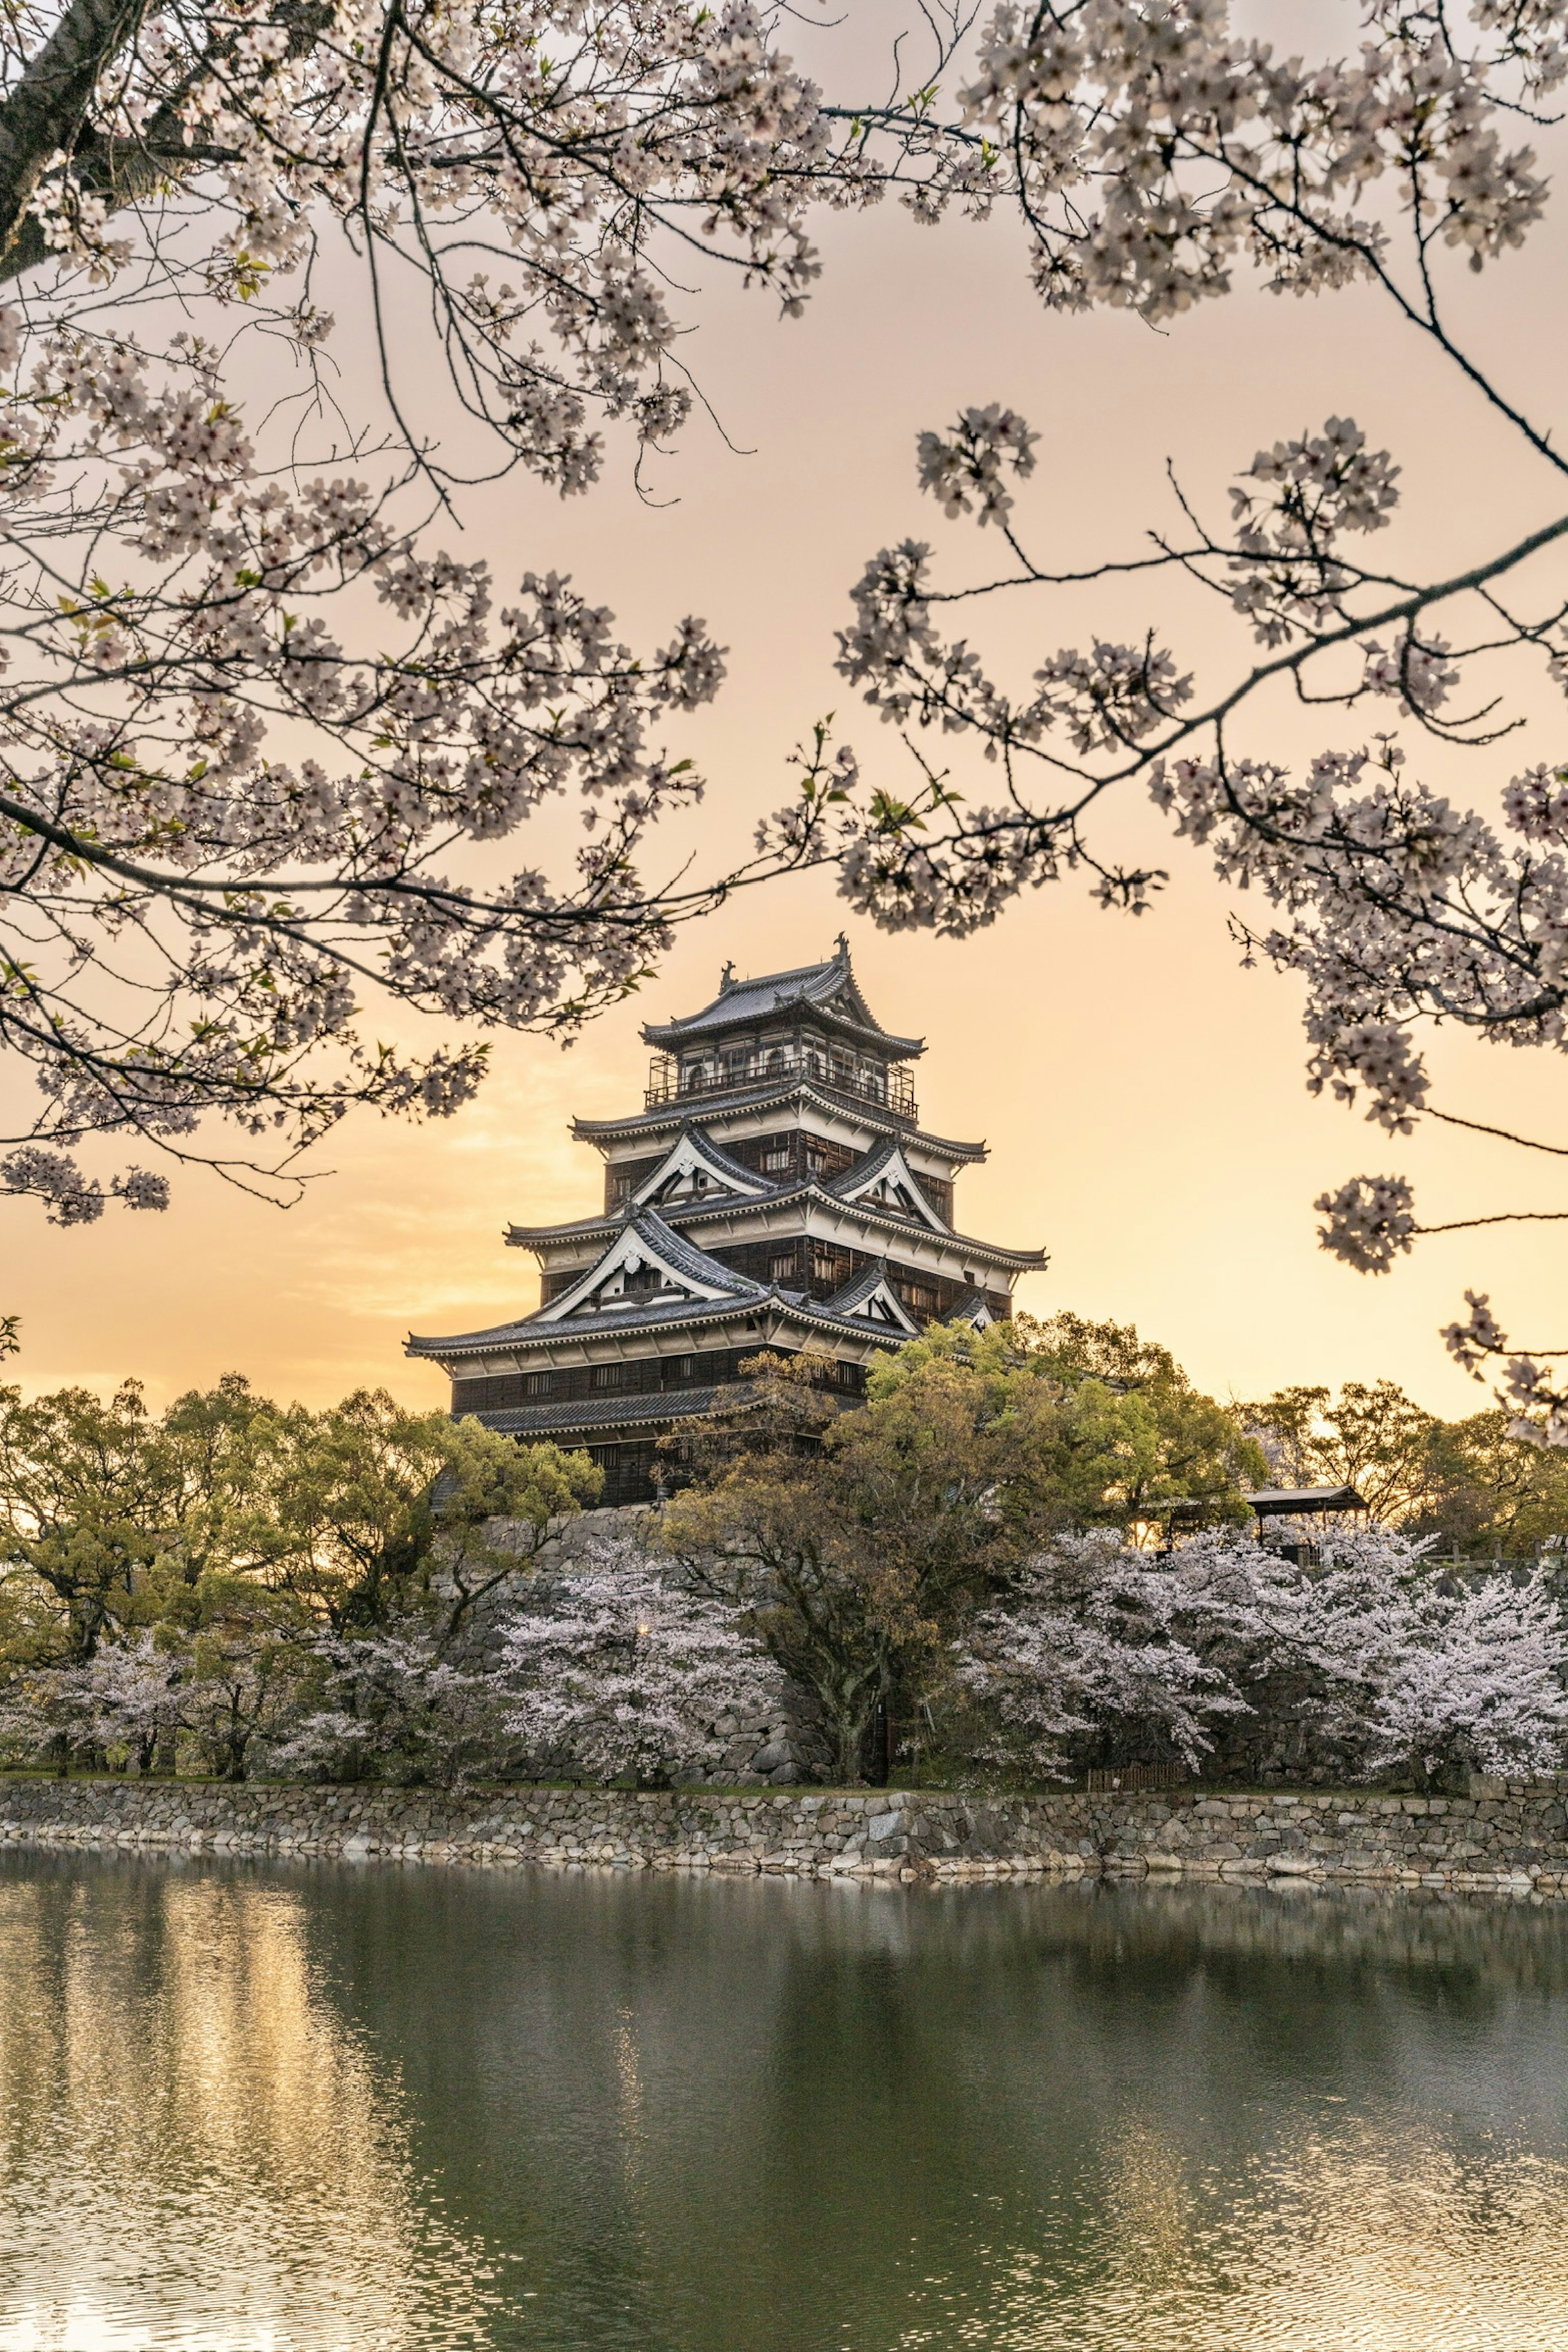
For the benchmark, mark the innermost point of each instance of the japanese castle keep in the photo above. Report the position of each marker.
(775, 1189)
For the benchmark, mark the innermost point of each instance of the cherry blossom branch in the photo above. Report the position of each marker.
(1152, 153)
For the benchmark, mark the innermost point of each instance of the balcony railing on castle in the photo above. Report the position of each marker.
(892, 1089)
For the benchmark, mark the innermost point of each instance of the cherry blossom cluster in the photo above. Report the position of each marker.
(391, 1703)
(1404, 1667)
(1370, 1221)
(1312, 490)
(624, 1669)
(1395, 905)
(1526, 1387)
(223, 828)
(967, 467)
(1087, 1639)
(538, 172)
(1158, 154)
(1153, 151)
(138, 1696)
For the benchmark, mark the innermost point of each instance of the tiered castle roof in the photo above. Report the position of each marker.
(775, 1189)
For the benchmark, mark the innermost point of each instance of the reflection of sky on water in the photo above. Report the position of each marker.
(254, 2109)
(194, 2153)
(1343, 2240)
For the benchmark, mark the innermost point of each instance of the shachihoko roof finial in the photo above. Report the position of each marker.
(841, 947)
(727, 978)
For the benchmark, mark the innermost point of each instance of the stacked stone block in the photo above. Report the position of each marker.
(1507, 1836)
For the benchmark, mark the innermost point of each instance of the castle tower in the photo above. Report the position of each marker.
(775, 1189)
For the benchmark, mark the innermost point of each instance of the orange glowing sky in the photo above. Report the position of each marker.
(1141, 1096)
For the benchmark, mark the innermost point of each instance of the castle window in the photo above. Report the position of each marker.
(780, 1267)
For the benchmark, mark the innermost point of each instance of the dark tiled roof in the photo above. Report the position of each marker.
(532, 1334)
(1281, 1499)
(853, 1180)
(608, 1412)
(685, 1257)
(813, 984)
(721, 1161)
(529, 1326)
(859, 1287)
(574, 1229)
(756, 1188)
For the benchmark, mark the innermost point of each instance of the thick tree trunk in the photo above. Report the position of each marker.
(47, 111)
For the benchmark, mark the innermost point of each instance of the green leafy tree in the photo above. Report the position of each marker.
(1117, 1434)
(1372, 1437)
(382, 1512)
(108, 1514)
(862, 1541)
(1493, 1494)
(84, 1502)
(762, 1524)
(219, 1540)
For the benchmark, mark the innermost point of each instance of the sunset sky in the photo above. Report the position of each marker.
(1141, 1095)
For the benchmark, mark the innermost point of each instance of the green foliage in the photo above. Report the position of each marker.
(1372, 1437)
(1104, 1429)
(116, 1516)
(1469, 1482)
(376, 1506)
(1493, 1493)
(862, 1541)
(230, 1531)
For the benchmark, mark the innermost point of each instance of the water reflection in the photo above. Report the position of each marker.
(194, 2152)
(251, 2106)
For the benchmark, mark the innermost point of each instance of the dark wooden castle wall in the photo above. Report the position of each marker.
(643, 1376)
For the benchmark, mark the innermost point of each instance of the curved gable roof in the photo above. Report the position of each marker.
(888, 1166)
(644, 1240)
(870, 1298)
(695, 1148)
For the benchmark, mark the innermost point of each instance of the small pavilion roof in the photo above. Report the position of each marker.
(1277, 1502)
(828, 988)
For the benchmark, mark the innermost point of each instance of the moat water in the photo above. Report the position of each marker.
(249, 2108)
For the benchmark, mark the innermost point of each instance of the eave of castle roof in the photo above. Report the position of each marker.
(883, 1221)
(529, 1333)
(610, 1413)
(760, 1097)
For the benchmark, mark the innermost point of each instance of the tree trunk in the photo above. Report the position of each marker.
(46, 112)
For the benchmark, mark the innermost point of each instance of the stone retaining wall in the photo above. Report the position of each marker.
(1512, 1836)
